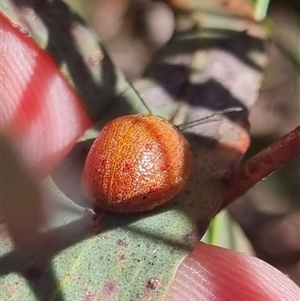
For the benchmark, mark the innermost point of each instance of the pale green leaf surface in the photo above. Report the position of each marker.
(78, 54)
(83, 255)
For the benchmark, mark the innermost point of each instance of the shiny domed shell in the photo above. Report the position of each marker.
(137, 163)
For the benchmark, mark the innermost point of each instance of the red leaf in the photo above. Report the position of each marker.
(38, 107)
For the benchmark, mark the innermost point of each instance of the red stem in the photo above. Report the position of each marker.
(262, 165)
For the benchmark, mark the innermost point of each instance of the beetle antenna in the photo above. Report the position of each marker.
(188, 125)
(139, 96)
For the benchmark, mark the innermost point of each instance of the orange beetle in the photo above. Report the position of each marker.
(137, 163)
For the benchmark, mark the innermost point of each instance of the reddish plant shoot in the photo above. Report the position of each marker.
(39, 108)
(262, 165)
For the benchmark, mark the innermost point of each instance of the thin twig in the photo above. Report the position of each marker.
(262, 165)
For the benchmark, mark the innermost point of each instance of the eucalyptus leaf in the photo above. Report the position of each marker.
(213, 62)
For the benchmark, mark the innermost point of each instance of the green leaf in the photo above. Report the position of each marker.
(214, 61)
(78, 54)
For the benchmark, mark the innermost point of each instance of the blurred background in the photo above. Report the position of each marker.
(266, 221)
